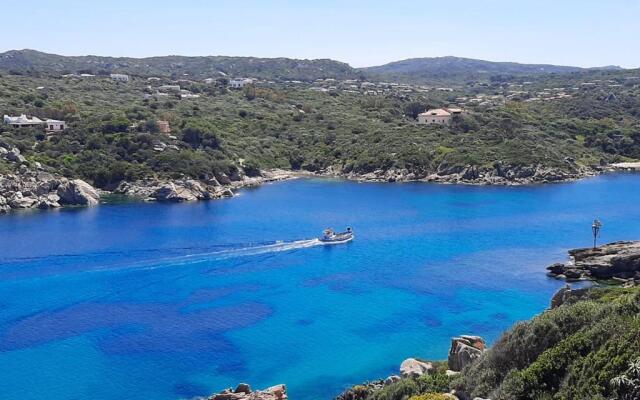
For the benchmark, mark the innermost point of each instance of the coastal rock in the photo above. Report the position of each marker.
(362, 391)
(31, 189)
(412, 368)
(4, 207)
(20, 201)
(567, 295)
(243, 392)
(243, 388)
(392, 379)
(78, 192)
(14, 155)
(464, 350)
(618, 260)
(177, 192)
(51, 200)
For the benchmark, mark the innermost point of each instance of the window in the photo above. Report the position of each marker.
(50, 127)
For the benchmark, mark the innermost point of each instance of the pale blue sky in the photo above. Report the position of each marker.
(362, 33)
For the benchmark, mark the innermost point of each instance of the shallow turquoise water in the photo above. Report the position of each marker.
(153, 301)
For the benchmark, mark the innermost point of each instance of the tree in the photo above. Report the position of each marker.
(413, 109)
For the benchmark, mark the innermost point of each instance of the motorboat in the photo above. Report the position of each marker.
(329, 236)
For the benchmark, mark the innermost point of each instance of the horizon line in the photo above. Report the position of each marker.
(320, 58)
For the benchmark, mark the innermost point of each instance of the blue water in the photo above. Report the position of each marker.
(154, 301)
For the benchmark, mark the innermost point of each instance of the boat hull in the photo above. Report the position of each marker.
(336, 240)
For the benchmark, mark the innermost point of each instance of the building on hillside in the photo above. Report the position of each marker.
(120, 77)
(51, 126)
(22, 121)
(169, 88)
(439, 116)
(54, 126)
(164, 127)
(238, 83)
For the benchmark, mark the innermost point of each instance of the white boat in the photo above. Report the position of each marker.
(331, 237)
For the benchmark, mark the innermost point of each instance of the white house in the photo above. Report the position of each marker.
(120, 77)
(238, 83)
(439, 116)
(50, 125)
(22, 120)
(54, 126)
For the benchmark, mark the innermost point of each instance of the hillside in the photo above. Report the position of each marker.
(554, 128)
(35, 62)
(443, 69)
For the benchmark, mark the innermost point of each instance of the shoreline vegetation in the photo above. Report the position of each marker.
(201, 125)
(36, 188)
(584, 346)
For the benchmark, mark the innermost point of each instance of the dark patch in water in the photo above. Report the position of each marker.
(339, 282)
(189, 390)
(432, 322)
(158, 327)
(205, 295)
(500, 316)
(304, 322)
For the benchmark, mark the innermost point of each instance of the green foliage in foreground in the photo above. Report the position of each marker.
(572, 352)
(408, 388)
(588, 350)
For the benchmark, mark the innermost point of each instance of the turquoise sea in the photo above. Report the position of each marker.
(155, 301)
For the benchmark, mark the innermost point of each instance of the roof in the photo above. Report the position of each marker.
(439, 112)
(23, 119)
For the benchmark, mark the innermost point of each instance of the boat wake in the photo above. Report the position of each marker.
(82, 263)
(251, 250)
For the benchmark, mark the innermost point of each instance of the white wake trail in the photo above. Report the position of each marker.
(227, 254)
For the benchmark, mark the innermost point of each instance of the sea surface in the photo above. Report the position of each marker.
(147, 301)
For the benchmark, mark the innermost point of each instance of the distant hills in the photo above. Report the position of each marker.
(30, 61)
(456, 68)
(416, 70)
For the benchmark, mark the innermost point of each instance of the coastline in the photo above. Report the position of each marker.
(29, 189)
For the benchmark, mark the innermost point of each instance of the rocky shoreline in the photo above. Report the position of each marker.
(617, 261)
(497, 174)
(187, 189)
(244, 392)
(43, 190)
(33, 187)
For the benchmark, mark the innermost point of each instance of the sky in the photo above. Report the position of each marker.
(362, 33)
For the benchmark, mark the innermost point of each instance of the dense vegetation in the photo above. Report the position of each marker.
(587, 350)
(35, 62)
(572, 352)
(114, 134)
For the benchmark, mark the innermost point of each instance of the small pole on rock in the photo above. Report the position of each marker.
(595, 228)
